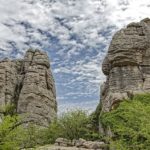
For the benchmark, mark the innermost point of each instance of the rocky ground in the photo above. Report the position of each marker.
(81, 144)
(53, 147)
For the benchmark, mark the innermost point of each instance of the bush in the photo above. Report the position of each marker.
(95, 117)
(13, 135)
(71, 125)
(10, 133)
(53, 132)
(33, 136)
(130, 123)
(9, 109)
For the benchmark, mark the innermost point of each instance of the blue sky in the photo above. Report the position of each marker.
(76, 35)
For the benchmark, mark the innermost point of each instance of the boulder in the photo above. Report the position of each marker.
(94, 145)
(63, 142)
(81, 144)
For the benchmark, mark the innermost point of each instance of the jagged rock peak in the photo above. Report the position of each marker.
(127, 64)
(29, 85)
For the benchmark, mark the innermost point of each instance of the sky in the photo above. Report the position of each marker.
(75, 34)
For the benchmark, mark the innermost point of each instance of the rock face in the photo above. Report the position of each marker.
(29, 85)
(127, 65)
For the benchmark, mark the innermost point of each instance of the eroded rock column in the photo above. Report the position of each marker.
(127, 65)
(29, 85)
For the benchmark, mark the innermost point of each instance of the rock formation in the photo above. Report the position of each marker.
(127, 65)
(29, 85)
(80, 144)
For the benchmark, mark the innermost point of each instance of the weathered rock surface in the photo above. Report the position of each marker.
(127, 65)
(52, 147)
(81, 143)
(29, 85)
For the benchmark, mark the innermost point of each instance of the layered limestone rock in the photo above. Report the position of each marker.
(29, 85)
(127, 65)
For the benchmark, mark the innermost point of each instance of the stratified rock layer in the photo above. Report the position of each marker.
(127, 65)
(29, 85)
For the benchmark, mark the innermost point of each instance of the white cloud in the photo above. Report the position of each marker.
(76, 34)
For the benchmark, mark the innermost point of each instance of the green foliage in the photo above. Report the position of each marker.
(53, 132)
(95, 117)
(14, 135)
(9, 109)
(10, 136)
(33, 135)
(74, 124)
(71, 125)
(130, 123)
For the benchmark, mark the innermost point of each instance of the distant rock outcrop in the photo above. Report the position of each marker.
(29, 85)
(127, 65)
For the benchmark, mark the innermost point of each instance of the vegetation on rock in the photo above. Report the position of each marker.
(14, 134)
(71, 125)
(130, 123)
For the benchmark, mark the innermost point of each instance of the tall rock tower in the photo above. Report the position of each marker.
(29, 85)
(127, 65)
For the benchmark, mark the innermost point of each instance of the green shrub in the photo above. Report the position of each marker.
(10, 130)
(130, 123)
(74, 124)
(9, 109)
(53, 132)
(71, 125)
(13, 134)
(10, 133)
(33, 136)
(95, 117)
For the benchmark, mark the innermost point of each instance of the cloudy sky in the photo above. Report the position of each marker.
(76, 35)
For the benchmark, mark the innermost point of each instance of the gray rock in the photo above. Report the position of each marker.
(63, 142)
(29, 85)
(127, 65)
(79, 143)
(94, 145)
